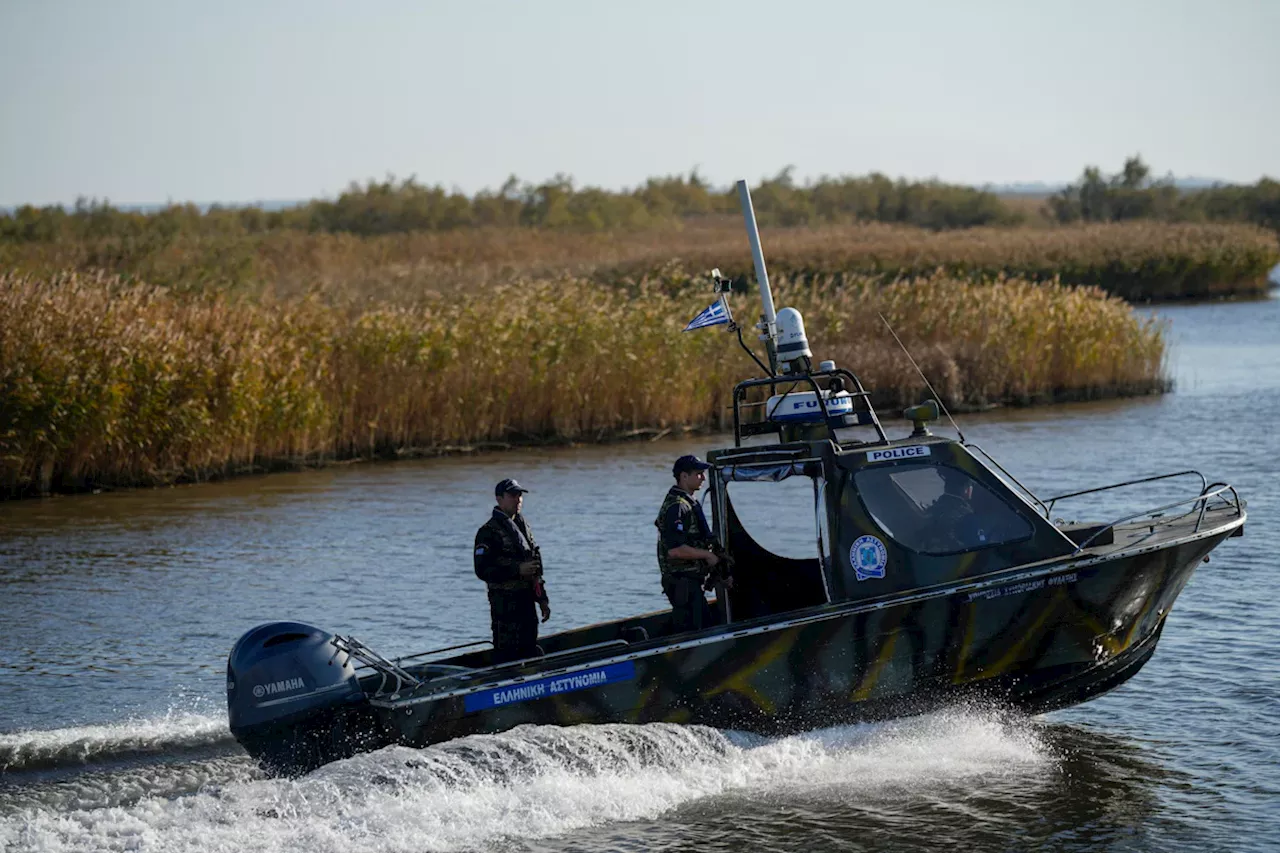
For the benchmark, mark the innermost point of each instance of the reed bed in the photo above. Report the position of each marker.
(1141, 261)
(106, 382)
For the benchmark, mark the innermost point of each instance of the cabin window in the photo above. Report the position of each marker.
(937, 509)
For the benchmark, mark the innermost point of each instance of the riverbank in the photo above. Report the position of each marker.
(109, 384)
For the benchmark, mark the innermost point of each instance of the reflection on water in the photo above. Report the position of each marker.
(119, 610)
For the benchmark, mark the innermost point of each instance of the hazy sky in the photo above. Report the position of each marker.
(276, 99)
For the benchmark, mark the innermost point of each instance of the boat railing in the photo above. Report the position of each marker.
(471, 675)
(1199, 505)
(1027, 494)
(388, 670)
(474, 643)
(1204, 485)
(563, 653)
(858, 394)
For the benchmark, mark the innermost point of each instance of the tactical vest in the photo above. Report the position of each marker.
(696, 536)
(513, 549)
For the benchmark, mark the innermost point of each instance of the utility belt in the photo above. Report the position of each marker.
(694, 572)
(511, 586)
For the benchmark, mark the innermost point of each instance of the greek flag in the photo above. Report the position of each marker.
(713, 315)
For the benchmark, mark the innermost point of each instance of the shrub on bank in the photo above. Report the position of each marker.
(105, 382)
(1134, 194)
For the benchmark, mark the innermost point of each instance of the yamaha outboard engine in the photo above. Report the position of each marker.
(294, 701)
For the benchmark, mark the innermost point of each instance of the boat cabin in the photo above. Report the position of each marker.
(889, 514)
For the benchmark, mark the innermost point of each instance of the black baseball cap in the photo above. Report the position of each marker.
(506, 486)
(688, 463)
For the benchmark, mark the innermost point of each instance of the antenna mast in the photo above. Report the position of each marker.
(927, 383)
(768, 324)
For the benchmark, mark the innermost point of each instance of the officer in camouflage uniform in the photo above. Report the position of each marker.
(510, 562)
(684, 547)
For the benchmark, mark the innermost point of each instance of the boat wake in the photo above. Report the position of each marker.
(530, 783)
(175, 732)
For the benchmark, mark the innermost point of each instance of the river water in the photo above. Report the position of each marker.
(118, 611)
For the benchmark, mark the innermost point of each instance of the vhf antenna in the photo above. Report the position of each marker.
(927, 384)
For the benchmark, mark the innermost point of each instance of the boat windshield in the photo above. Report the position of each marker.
(937, 509)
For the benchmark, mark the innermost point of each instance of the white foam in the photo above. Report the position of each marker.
(176, 729)
(535, 783)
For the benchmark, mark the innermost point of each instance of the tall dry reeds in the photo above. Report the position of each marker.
(104, 382)
(1142, 261)
(1138, 261)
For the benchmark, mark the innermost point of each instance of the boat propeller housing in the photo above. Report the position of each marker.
(290, 688)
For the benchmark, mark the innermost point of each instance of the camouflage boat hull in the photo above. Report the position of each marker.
(1036, 639)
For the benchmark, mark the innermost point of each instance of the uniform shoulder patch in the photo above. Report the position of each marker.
(480, 551)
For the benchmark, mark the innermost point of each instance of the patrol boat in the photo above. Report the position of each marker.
(938, 578)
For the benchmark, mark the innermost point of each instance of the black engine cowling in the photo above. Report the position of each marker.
(294, 701)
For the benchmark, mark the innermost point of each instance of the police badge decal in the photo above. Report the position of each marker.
(868, 557)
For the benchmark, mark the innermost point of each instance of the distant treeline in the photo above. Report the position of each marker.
(1134, 194)
(391, 206)
(404, 206)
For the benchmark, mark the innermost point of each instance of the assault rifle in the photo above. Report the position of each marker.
(721, 572)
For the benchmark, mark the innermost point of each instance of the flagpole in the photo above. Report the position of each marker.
(724, 303)
(769, 323)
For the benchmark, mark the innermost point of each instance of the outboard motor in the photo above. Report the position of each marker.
(294, 701)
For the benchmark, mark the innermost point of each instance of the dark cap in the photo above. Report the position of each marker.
(506, 486)
(688, 463)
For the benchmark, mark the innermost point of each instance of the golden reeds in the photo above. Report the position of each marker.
(1139, 261)
(105, 382)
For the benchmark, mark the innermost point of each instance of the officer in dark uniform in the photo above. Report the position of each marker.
(684, 546)
(510, 562)
(952, 517)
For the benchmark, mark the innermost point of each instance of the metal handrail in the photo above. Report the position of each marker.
(1027, 492)
(1204, 506)
(473, 674)
(812, 377)
(445, 649)
(367, 656)
(730, 456)
(1202, 499)
(1204, 485)
(566, 652)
